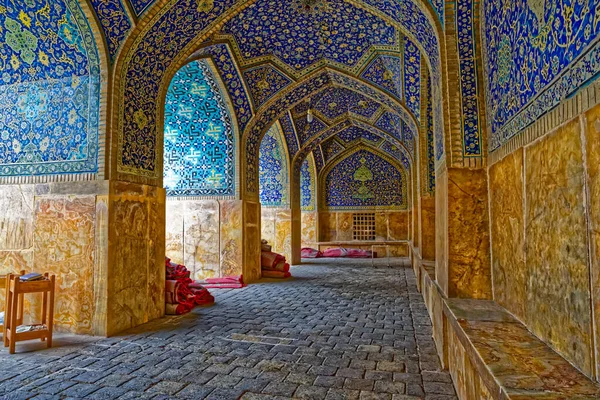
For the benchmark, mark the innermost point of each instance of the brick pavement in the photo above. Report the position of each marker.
(338, 330)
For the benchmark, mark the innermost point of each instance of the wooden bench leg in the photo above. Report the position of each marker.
(7, 315)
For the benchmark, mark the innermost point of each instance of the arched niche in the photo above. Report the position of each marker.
(308, 202)
(203, 213)
(274, 191)
(364, 186)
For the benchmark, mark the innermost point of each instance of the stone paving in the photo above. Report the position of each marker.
(341, 329)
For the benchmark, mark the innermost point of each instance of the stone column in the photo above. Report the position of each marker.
(251, 240)
(296, 218)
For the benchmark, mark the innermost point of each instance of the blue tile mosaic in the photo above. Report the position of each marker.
(49, 91)
(308, 185)
(273, 170)
(354, 132)
(386, 72)
(199, 154)
(536, 54)
(300, 39)
(139, 6)
(289, 132)
(412, 77)
(468, 79)
(331, 148)
(336, 101)
(115, 23)
(226, 66)
(364, 180)
(264, 82)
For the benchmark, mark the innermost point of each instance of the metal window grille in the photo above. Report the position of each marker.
(364, 226)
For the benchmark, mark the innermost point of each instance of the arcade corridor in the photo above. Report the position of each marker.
(152, 149)
(338, 330)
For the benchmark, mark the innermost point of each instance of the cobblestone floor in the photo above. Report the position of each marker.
(338, 330)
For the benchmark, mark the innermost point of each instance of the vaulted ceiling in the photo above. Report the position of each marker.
(264, 49)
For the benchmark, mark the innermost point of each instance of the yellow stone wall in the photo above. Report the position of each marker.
(544, 207)
(428, 228)
(276, 228)
(102, 241)
(48, 231)
(338, 226)
(135, 271)
(205, 236)
(309, 228)
(390, 226)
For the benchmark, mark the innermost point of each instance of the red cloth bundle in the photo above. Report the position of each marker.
(275, 274)
(351, 253)
(307, 252)
(228, 282)
(270, 260)
(176, 271)
(357, 253)
(202, 296)
(339, 252)
(179, 296)
(282, 266)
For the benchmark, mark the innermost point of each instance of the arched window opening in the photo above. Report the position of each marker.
(200, 177)
(276, 218)
(308, 202)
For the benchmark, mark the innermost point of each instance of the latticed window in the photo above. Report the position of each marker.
(364, 226)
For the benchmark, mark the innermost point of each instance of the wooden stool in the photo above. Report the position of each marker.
(14, 289)
(4, 285)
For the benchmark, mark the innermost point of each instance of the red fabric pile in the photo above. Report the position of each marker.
(307, 252)
(228, 282)
(181, 293)
(274, 265)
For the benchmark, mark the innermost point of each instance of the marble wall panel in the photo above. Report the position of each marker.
(276, 228)
(441, 229)
(232, 243)
(174, 230)
(64, 243)
(416, 226)
(428, 228)
(558, 297)
(327, 227)
(13, 262)
(398, 225)
(267, 224)
(345, 226)
(16, 226)
(469, 272)
(400, 250)
(508, 234)
(133, 298)
(202, 238)
(252, 270)
(101, 264)
(592, 136)
(283, 233)
(156, 254)
(309, 229)
(381, 226)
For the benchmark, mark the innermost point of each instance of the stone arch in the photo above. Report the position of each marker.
(145, 64)
(195, 140)
(274, 164)
(352, 152)
(294, 95)
(335, 130)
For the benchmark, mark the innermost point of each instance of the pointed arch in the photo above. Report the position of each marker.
(349, 181)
